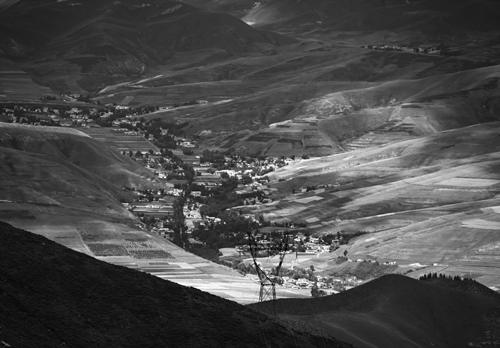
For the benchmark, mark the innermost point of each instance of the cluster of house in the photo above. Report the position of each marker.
(330, 285)
(155, 209)
(428, 50)
(71, 115)
(38, 115)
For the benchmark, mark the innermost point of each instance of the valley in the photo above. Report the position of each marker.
(165, 136)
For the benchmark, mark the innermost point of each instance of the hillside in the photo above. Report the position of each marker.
(76, 148)
(427, 203)
(51, 296)
(60, 169)
(395, 311)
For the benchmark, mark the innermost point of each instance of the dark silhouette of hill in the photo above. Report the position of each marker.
(396, 311)
(51, 296)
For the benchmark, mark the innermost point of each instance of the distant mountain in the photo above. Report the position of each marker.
(396, 311)
(86, 45)
(51, 296)
(430, 16)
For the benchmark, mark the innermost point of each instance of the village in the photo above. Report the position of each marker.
(198, 197)
(433, 50)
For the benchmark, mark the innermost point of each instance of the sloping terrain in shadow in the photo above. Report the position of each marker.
(396, 311)
(51, 296)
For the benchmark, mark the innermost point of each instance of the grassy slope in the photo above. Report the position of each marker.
(51, 296)
(395, 311)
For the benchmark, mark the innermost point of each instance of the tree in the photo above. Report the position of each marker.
(246, 179)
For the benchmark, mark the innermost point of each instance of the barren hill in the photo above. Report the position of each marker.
(395, 311)
(51, 296)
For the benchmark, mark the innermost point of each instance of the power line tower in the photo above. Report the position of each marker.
(268, 281)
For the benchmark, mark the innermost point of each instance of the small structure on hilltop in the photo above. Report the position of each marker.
(271, 248)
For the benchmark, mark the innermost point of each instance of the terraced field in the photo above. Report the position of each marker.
(125, 245)
(427, 201)
(18, 85)
(119, 140)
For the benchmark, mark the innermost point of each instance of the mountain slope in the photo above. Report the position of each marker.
(427, 203)
(59, 169)
(51, 296)
(75, 147)
(395, 311)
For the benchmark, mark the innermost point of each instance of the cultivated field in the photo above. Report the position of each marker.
(119, 140)
(421, 202)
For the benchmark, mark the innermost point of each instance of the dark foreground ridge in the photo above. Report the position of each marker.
(51, 296)
(397, 311)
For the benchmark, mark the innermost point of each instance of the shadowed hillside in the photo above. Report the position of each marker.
(51, 296)
(87, 45)
(395, 311)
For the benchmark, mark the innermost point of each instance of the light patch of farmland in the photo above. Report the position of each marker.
(469, 182)
(482, 224)
(307, 200)
(492, 209)
(45, 129)
(120, 140)
(286, 212)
